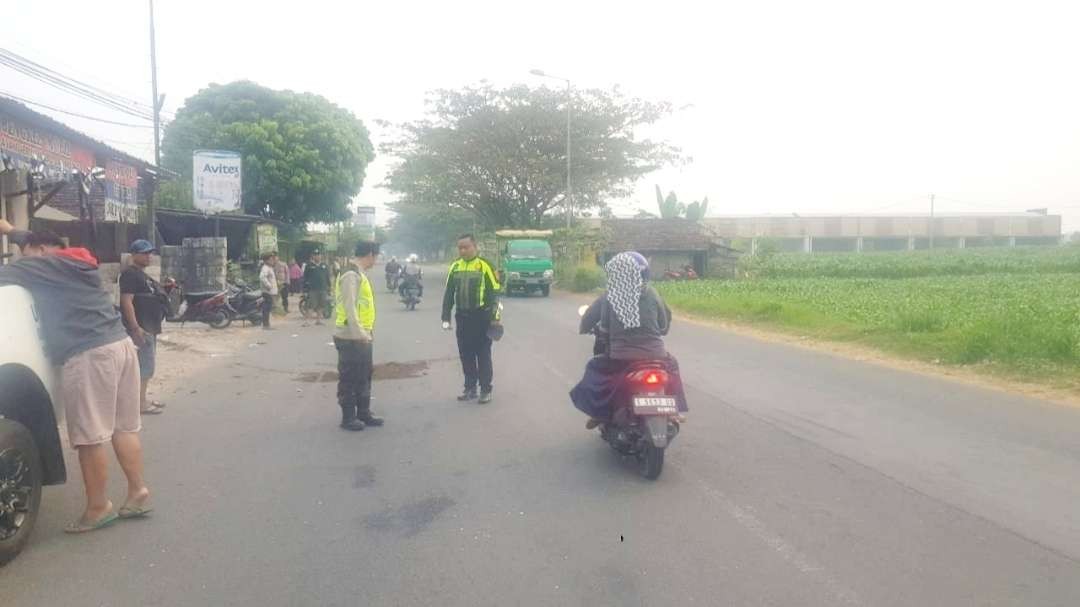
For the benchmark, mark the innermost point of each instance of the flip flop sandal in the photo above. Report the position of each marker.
(128, 512)
(101, 523)
(157, 403)
(153, 409)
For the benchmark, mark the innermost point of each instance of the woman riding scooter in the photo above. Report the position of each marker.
(631, 320)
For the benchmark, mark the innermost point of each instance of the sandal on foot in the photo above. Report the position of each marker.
(152, 409)
(83, 527)
(134, 512)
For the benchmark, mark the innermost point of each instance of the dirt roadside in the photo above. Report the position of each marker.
(183, 351)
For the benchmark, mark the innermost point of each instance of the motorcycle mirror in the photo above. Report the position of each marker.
(581, 311)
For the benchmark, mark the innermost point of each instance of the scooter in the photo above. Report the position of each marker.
(410, 295)
(392, 281)
(646, 416)
(245, 304)
(211, 309)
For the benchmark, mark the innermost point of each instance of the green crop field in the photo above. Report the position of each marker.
(949, 262)
(1011, 312)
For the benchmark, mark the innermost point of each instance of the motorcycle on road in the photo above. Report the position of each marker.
(646, 415)
(410, 295)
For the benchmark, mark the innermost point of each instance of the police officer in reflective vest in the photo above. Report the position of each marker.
(353, 338)
(471, 286)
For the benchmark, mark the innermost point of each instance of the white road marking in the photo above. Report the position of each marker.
(788, 552)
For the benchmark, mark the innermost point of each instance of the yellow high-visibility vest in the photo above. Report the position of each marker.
(365, 303)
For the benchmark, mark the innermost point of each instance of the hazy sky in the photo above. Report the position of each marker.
(788, 106)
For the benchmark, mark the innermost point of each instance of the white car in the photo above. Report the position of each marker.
(31, 454)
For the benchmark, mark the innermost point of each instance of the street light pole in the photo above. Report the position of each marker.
(157, 128)
(569, 104)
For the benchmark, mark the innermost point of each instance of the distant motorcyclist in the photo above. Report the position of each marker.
(393, 271)
(413, 275)
(632, 320)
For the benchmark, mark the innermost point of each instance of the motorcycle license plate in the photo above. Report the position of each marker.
(655, 405)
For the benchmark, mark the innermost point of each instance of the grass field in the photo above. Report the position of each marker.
(1011, 312)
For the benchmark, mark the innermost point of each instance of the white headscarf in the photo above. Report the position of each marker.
(625, 284)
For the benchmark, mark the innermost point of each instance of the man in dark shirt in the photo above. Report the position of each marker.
(142, 307)
(317, 284)
(472, 288)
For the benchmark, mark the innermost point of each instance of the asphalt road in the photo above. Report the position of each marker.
(800, 479)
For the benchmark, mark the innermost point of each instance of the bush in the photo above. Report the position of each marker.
(586, 278)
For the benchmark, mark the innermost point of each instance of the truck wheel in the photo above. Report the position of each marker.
(20, 487)
(545, 290)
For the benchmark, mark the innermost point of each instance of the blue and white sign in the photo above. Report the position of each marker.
(217, 181)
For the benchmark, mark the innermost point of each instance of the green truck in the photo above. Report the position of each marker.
(524, 261)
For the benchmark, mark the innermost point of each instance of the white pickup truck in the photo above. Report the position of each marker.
(30, 451)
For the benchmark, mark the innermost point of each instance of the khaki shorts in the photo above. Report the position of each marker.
(100, 392)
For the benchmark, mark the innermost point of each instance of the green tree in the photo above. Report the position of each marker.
(304, 158)
(175, 194)
(671, 208)
(695, 211)
(500, 153)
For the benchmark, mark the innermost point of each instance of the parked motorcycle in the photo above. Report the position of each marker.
(245, 303)
(646, 416)
(687, 273)
(211, 309)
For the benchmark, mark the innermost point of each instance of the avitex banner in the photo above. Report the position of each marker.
(217, 181)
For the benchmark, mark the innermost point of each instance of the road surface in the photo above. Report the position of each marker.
(800, 479)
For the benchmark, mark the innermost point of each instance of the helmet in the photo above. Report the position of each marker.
(413, 258)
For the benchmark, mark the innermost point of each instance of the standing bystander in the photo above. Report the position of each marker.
(268, 283)
(142, 307)
(317, 284)
(281, 272)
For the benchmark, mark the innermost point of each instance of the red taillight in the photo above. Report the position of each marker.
(650, 377)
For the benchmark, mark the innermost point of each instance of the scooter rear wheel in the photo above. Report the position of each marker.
(651, 461)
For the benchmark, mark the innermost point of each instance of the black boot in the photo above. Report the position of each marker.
(364, 415)
(349, 420)
(468, 394)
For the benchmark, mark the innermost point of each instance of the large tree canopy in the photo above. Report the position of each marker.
(303, 157)
(500, 154)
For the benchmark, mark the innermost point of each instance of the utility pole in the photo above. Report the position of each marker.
(569, 189)
(157, 128)
(931, 221)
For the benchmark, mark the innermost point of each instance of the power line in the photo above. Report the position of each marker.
(69, 85)
(70, 113)
(90, 87)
